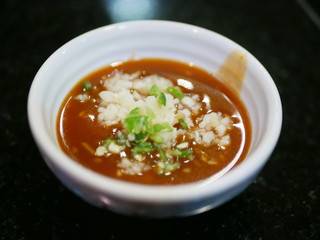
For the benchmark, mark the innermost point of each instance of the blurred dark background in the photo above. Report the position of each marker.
(282, 203)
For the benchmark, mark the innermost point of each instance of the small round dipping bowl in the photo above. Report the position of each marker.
(151, 39)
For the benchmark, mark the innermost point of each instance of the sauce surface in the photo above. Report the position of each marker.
(80, 132)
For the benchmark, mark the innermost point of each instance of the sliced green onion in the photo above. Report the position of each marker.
(154, 90)
(86, 86)
(135, 124)
(171, 167)
(162, 99)
(121, 138)
(158, 127)
(150, 129)
(183, 124)
(150, 113)
(163, 155)
(143, 148)
(157, 138)
(184, 153)
(158, 146)
(141, 137)
(134, 112)
(107, 141)
(176, 152)
(175, 92)
(166, 167)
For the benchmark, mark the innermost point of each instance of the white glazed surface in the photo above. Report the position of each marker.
(156, 39)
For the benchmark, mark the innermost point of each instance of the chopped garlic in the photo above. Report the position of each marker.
(188, 101)
(183, 145)
(114, 148)
(208, 137)
(125, 92)
(83, 97)
(100, 151)
(132, 167)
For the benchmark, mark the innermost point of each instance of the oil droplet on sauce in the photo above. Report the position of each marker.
(233, 70)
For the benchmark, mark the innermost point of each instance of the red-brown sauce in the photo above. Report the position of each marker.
(79, 132)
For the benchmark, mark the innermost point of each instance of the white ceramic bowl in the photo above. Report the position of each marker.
(157, 39)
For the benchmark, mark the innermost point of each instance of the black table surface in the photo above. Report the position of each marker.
(283, 201)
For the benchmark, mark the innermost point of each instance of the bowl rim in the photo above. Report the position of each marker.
(154, 193)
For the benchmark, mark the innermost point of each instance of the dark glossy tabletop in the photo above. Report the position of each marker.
(284, 200)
